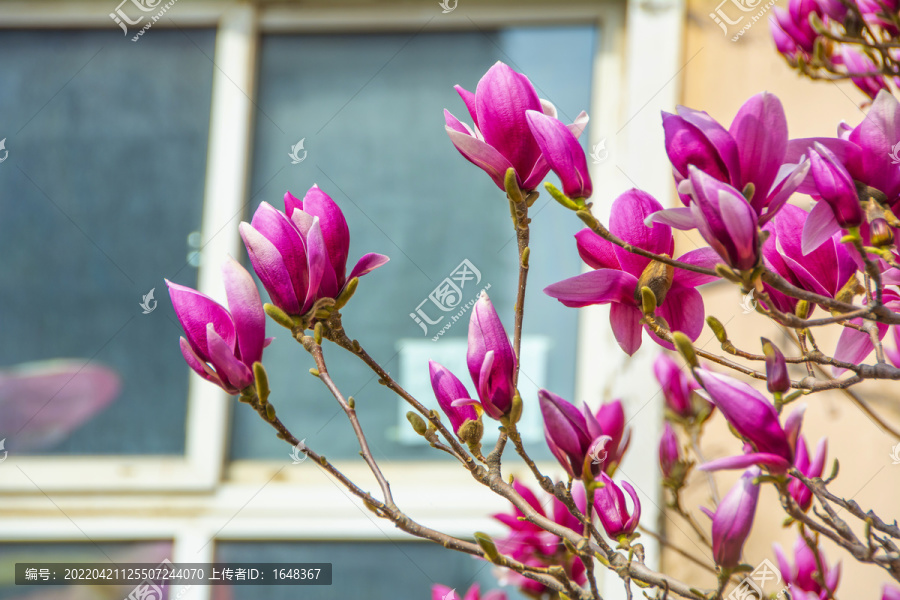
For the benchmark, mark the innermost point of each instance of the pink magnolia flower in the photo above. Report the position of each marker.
(678, 387)
(835, 187)
(751, 151)
(669, 451)
(221, 346)
(800, 574)
(755, 420)
(865, 151)
(575, 436)
(449, 391)
(491, 360)
(300, 255)
(823, 270)
(733, 519)
(791, 29)
(799, 492)
(501, 138)
(531, 545)
(777, 378)
(442, 592)
(617, 273)
(563, 153)
(890, 592)
(856, 61)
(612, 511)
(723, 217)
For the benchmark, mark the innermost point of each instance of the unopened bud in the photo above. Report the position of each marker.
(718, 329)
(777, 379)
(487, 546)
(346, 293)
(685, 348)
(657, 277)
(471, 431)
(882, 234)
(278, 315)
(262, 382)
(417, 422)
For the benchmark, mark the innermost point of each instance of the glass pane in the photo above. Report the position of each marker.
(10, 554)
(101, 187)
(371, 570)
(369, 109)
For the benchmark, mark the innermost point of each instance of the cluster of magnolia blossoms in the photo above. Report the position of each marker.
(797, 39)
(300, 256)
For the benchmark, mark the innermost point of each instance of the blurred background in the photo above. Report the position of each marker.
(136, 135)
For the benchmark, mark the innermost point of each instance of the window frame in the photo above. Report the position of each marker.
(186, 498)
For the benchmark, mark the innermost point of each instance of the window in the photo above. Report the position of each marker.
(146, 156)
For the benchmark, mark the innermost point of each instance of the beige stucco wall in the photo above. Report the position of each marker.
(718, 78)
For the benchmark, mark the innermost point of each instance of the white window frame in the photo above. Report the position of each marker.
(198, 498)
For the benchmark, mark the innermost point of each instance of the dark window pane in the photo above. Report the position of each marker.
(370, 111)
(371, 570)
(102, 186)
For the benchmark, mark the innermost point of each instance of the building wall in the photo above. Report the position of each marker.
(719, 76)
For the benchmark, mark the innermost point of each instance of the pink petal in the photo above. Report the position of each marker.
(482, 155)
(194, 311)
(595, 287)
(334, 228)
(596, 251)
(819, 227)
(629, 211)
(702, 257)
(626, 326)
(761, 132)
(368, 263)
(271, 269)
(246, 310)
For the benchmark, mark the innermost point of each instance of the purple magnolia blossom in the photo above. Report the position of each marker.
(823, 270)
(533, 546)
(442, 592)
(669, 451)
(300, 255)
(777, 378)
(856, 61)
(800, 574)
(791, 29)
(501, 138)
(221, 346)
(449, 391)
(618, 272)
(721, 214)
(751, 151)
(491, 360)
(733, 519)
(575, 436)
(865, 151)
(799, 492)
(755, 420)
(835, 187)
(609, 502)
(562, 152)
(677, 386)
